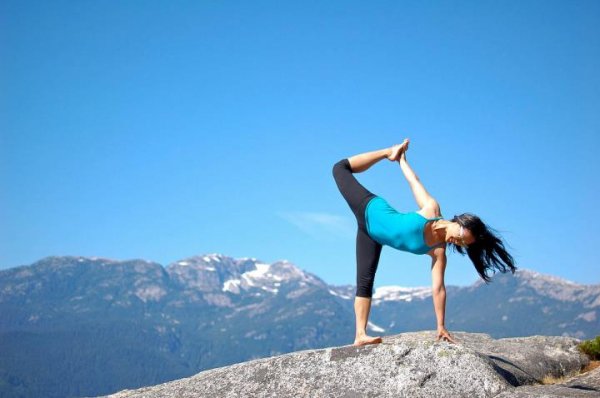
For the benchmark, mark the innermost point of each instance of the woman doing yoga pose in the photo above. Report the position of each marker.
(421, 232)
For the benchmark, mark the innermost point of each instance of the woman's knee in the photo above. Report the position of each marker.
(341, 166)
(342, 172)
(364, 291)
(364, 284)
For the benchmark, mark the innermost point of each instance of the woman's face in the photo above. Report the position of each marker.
(460, 236)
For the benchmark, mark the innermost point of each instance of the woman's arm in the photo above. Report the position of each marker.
(421, 195)
(438, 267)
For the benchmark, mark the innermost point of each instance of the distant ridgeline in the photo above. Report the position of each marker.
(76, 326)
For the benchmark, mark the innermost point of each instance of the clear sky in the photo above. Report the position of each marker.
(163, 130)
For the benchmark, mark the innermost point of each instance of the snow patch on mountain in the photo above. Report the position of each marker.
(269, 277)
(261, 272)
(151, 292)
(214, 257)
(399, 293)
(232, 286)
(345, 297)
(375, 328)
(260, 277)
(269, 289)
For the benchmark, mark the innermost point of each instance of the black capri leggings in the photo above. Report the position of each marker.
(367, 250)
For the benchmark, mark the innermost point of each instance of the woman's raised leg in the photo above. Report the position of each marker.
(364, 161)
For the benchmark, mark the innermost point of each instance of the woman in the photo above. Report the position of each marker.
(420, 232)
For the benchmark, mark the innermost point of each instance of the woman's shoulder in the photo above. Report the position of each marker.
(379, 203)
(430, 210)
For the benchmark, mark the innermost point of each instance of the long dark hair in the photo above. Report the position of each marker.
(487, 252)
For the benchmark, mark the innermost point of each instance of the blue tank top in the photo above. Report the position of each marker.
(402, 231)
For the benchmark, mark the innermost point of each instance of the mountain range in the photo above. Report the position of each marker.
(81, 326)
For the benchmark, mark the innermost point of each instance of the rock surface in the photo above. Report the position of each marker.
(405, 365)
(583, 386)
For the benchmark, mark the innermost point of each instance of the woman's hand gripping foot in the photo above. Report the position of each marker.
(397, 150)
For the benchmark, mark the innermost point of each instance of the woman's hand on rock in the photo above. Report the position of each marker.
(444, 335)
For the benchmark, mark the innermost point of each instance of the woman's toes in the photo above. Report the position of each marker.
(405, 144)
(395, 153)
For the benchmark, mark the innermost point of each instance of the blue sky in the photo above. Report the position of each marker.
(163, 130)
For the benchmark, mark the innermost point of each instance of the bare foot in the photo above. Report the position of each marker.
(364, 340)
(397, 150)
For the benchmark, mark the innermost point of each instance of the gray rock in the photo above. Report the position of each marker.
(588, 381)
(405, 365)
(583, 386)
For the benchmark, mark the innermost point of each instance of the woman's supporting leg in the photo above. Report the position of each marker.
(362, 307)
(367, 259)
